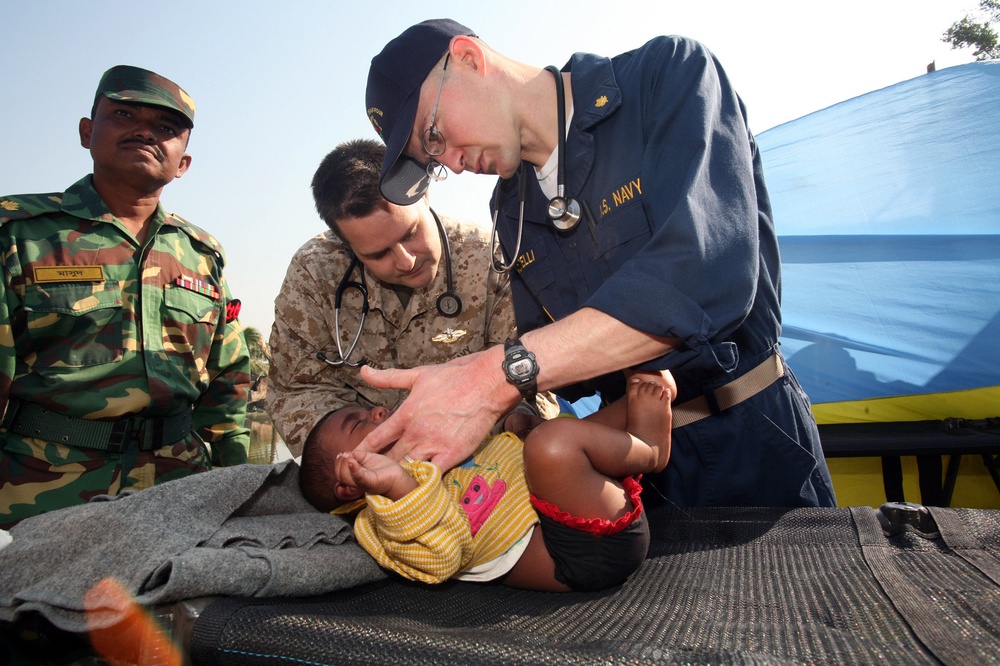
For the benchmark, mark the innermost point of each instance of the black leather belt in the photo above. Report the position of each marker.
(32, 420)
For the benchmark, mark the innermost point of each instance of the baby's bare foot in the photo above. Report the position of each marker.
(648, 417)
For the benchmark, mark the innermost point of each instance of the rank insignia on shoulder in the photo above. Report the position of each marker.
(233, 309)
(197, 286)
(449, 335)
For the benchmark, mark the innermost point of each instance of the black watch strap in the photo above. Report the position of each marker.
(521, 369)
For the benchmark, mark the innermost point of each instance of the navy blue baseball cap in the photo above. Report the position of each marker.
(394, 82)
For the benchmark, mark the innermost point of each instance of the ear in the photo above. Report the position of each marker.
(184, 165)
(468, 52)
(86, 127)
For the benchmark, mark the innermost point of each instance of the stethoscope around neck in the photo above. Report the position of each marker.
(564, 212)
(448, 303)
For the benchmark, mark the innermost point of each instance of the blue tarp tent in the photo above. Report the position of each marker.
(887, 208)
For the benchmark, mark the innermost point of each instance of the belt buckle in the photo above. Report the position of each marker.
(13, 409)
(121, 435)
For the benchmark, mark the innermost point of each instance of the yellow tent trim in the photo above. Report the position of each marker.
(978, 403)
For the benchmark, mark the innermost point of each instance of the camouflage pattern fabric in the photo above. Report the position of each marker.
(125, 83)
(90, 327)
(302, 389)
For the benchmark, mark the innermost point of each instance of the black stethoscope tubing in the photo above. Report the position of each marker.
(448, 303)
(564, 212)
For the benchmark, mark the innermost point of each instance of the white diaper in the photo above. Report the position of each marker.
(498, 566)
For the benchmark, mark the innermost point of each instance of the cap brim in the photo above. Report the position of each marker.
(403, 181)
(406, 182)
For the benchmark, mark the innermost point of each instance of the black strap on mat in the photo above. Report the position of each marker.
(966, 536)
(928, 584)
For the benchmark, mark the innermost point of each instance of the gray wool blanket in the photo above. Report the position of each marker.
(238, 531)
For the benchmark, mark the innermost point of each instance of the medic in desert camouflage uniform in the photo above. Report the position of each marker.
(405, 266)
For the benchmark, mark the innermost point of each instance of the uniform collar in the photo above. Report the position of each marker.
(81, 200)
(596, 94)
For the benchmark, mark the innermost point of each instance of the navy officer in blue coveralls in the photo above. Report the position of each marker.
(673, 262)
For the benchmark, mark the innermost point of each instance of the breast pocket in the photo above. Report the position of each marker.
(623, 231)
(555, 279)
(75, 324)
(534, 268)
(189, 324)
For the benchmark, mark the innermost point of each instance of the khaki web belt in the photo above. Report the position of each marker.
(729, 395)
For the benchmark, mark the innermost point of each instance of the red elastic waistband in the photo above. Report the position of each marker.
(596, 526)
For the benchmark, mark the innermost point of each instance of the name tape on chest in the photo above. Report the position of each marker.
(68, 273)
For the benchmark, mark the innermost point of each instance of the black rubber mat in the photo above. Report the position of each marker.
(720, 586)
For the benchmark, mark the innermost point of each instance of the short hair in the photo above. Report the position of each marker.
(345, 185)
(316, 479)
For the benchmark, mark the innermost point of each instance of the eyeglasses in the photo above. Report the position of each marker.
(432, 141)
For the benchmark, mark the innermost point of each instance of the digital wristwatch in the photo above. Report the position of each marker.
(520, 368)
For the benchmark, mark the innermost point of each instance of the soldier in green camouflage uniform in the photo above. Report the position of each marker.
(403, 327)
(122, 363)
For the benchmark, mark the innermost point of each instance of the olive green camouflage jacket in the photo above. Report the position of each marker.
(93, 327)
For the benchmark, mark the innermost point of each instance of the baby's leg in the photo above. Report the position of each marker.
(576, 464)
(649, 418)
(535, 569)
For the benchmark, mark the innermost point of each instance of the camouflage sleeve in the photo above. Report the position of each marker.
(301, 388)
(220, 413)
(7, 352)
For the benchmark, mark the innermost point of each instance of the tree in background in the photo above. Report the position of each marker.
(260, 355)
(970, 32)
(263, 436)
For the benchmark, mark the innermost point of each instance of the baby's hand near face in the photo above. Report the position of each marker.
(374, 474)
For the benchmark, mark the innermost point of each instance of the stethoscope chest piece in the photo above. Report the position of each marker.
(449, 304)
(564, 213)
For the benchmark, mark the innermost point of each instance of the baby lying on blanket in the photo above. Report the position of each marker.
(553, 505)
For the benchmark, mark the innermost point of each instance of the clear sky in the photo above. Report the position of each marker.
(279, 84)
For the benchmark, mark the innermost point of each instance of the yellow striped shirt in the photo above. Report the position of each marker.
(475, 513)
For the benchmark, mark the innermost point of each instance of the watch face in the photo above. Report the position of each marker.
(521, 368)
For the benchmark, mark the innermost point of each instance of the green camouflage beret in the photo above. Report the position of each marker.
(134, 84)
